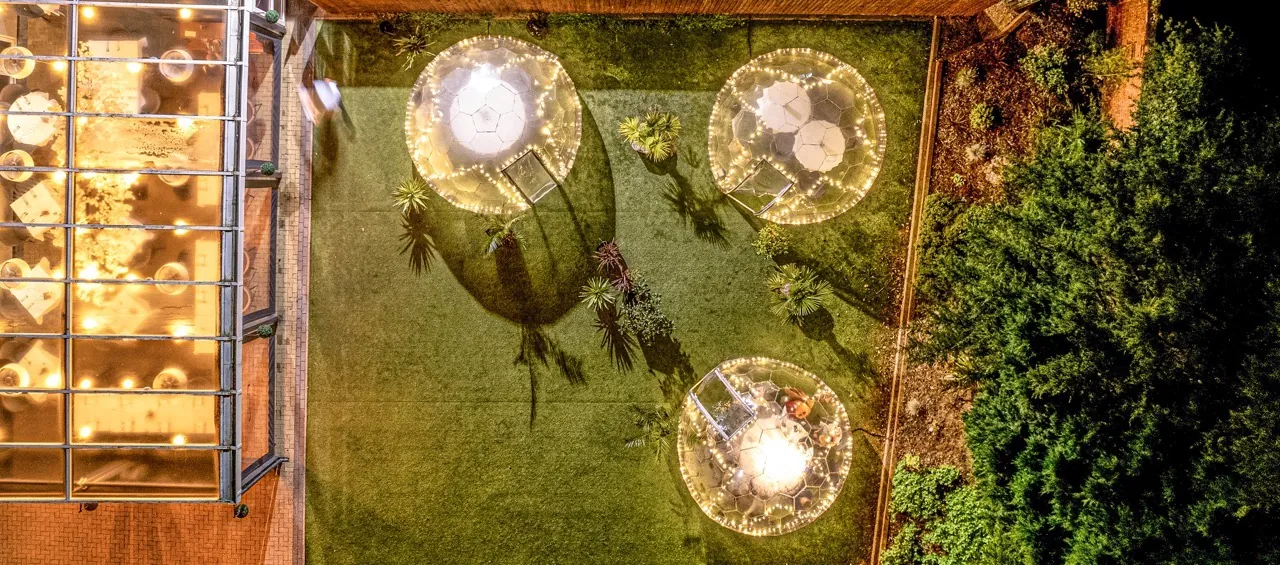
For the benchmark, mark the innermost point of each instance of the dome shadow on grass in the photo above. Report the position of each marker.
(539, 282)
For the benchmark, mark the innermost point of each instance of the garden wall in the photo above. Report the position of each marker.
(341, 8)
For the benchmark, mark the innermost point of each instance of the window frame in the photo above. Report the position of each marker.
(268, 314)
(259, 468)
(273, 34)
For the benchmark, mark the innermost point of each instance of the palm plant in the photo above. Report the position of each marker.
(797, 291)
(598, 294)
(411, 196)
(656, 425)
(503, 233)
(412, 46)
(654, 135)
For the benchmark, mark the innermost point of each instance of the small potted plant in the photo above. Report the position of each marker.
(654, 135)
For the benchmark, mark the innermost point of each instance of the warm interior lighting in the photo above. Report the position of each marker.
(86, 383)
(89, 323)
(179, 439)
(180, 330)
(127, 383)
(86, 432)
(59, 66)
(184, 14)
(134, 67)
(88, 12)
(54, 380)
(180, 231)
(783, 462)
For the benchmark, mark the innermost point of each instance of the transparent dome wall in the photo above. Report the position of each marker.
(121, 163)
(796, 136)
(480, 111)
(780, 469)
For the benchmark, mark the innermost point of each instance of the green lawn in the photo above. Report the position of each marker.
(471, 414)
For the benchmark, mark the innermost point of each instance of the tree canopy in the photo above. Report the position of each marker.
(1120, 316)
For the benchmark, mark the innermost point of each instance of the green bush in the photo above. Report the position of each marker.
(1121, 317)
(642, 314)
(905, 548)
(656, 425)
(983, 116)
(1046, 66)
(944, 521)
(919, 493)
(771, 241)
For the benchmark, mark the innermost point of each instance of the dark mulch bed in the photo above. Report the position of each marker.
(979, 156)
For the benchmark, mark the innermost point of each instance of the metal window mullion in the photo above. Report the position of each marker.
(140, 282)
(122, 391)
(68, 235)
(234, 153)
(227, 7)
(190, 172)
(152, 227)
(140, 337)
(119, 115)
(168, 446)
(96, 59)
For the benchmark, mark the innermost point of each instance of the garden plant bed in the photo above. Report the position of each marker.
(471, 411)
(968, 162)
(933, 429)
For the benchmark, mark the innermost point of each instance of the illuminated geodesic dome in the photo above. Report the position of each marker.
(493, 124)
(777, 468)
(796, 136)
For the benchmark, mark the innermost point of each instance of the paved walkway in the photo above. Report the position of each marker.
(1127, 25)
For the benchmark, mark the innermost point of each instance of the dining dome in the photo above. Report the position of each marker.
(796, 136)
(764, 446)
(493, 124)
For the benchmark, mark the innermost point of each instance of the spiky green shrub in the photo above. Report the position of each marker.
(598, 294)
(966, 77)
(411, 196)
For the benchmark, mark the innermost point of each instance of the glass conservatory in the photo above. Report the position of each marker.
(796, 136)
(493, 124)
(132, 249)
(764, 446)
